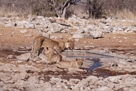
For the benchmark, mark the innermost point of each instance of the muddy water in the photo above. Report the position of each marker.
(94, 57)
(82, 54)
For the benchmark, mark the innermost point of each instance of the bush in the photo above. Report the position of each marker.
(21, 7)
(117, 8)
(95, 8)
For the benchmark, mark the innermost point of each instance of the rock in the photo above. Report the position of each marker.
(104, 88)
(76, 40)
(29, 25)
(23, 31)
(115, 79)
(22, 23)
(89, 28)
(40, 17)
(134, 44)
(46, 34)
(9, 25)
(53, 27)
(23, 56)
(10, 56)
(128, 30)
(56, 37)
(96, 34)
(78, 36)
(120, 41)
(107, 29)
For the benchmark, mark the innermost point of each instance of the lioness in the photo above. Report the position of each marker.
(42, 41)
(51, 57)
(71, 65)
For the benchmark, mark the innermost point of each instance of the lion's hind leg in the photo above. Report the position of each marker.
(35, 48)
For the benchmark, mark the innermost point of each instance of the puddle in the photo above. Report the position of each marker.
(93, 57)
(95, 65)
(86, 54)
(94, 68)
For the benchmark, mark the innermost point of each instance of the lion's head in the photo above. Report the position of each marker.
(69, 45)
(79, 62)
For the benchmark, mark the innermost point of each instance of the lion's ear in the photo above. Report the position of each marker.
(68, 40)
(76, 59)
(47, 48)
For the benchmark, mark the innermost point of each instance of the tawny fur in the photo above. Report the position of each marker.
(41, 41)
(71, 65)
(51, 57)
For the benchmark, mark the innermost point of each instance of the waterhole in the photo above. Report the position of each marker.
(94, 68)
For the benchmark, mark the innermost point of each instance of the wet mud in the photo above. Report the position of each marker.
(47, 75)
(106, 73)
(124, 51)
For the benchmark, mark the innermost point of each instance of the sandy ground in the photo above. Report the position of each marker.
(13, 36)
(14, 43)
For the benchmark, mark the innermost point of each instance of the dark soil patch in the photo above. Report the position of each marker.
(106, 73)
(47, 75)
(124, 51)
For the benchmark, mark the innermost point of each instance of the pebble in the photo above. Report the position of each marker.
(134, 44)
(23, 31)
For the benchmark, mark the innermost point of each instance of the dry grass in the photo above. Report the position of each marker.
(24, 11)
(125, 14)
(9, 13)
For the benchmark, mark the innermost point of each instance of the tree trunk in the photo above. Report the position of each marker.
(63, 14)
(61, 10)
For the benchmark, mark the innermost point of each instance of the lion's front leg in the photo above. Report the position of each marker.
(58, 50)
(77, 69)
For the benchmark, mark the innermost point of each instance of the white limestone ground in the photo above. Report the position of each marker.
(26, 77)
(21, 76)
(92, 28)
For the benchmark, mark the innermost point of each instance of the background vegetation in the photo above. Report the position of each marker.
(95, 8)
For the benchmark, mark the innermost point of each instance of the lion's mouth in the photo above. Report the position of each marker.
(80, 67)
(69, 48)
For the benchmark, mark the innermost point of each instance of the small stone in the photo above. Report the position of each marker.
(77, 40)
(10, 56)
(24, 31)
(134, 44)
(78, 36)
(96, 34)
